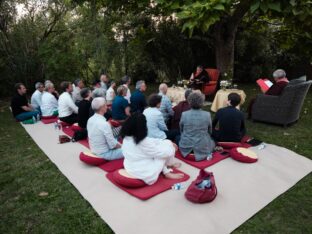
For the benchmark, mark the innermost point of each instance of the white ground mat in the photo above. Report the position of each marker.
(243, 190)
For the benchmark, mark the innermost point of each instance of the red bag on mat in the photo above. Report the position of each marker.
(203, 189)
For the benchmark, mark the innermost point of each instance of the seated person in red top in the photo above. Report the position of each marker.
(280, 83)
(276, 89)
(198, 78)
(21, 109)
(231, 121)
(179, 109)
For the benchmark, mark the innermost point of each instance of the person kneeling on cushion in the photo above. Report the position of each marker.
(101, 139)
(231, 121)
(145, 157)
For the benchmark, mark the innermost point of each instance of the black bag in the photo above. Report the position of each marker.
(80, 135)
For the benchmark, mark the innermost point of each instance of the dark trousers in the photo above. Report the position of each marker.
(71, 119)
(173, 135)
(216, 135)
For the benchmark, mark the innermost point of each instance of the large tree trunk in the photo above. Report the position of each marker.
(224, 35)
(224, 48)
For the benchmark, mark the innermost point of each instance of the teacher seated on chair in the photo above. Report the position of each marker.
(198, 78)
(145, 157)
(231, 121)
(101, 139)
(196, 127)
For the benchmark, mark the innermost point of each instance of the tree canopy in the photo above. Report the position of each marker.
(157, 40)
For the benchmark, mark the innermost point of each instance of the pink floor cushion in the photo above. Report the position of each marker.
(75, 127)
(146, 192)
(91, 159)
(122, 178)
(190, 159)
(243, 155)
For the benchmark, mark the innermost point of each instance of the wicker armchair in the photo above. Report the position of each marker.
(283, 109)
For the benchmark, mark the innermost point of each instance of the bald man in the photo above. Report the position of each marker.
(166, 105)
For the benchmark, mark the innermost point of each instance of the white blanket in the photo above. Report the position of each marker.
(243, 190)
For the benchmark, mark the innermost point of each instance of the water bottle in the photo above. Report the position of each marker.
(34, 119)
(261, 147)
(38, 118)
(206, 183)
(177, 186)
(209, 157)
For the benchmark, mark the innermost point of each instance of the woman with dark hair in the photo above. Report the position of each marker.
(156, 125)
(196, 127)
(145, 157)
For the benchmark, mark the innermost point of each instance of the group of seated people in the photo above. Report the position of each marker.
(152, 131)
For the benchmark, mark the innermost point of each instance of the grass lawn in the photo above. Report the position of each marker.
(35, 197)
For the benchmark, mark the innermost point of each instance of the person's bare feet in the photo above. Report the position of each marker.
(174, 176)
(175, 165)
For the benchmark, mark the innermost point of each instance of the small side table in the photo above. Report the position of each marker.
(221, 98)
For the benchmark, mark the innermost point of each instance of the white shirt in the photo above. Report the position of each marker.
(48, 104)
(155, 123)
(146, 160)
(100, 135)
(128, 96)
(66, 105)
(110, 95)
(36, 99)
(76, 94)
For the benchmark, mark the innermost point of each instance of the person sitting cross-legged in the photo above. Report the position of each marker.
(36, 97)
(156, 125)
(179, 109)
(195, 127)
(166, 105)
(145, 157)
(49, 103)
(67, 109)
(84, 107)
(126, 80)
(21, 109)
(137, 99)
(101, 139)
(120, 107)
(110, 93)
(76, 91)
(231, 121)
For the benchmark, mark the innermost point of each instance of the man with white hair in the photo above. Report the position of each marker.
(166, 105)
(275, 90)
(101, 139)
(36, 97)
(76, 91)
(137, 99)
(280, 83)
(49, 103)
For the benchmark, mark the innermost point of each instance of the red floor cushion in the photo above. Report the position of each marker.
(64, 124)
(75, 127)
(114, 123)
(190, 157)
(91, 159)
(229, 145)
(49, 117)
(122, 178)
(243, 155)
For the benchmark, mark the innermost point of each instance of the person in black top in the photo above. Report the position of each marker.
(84, 107)
(199, 78)
(21, 109)
(137, 99)
(231, 121)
